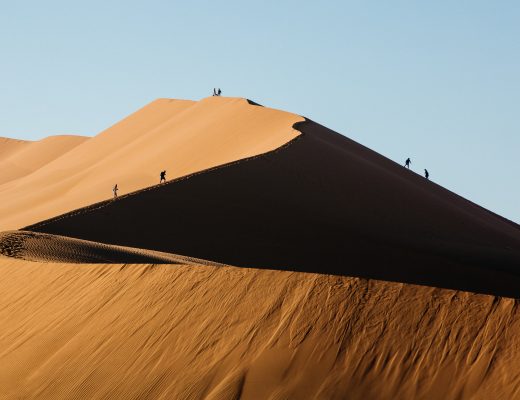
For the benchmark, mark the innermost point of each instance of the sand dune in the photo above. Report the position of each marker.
(41, 247)
(321, 203)
(32, 156)
(255, 188)
(185, 332)
(10, 146)
(181, 137)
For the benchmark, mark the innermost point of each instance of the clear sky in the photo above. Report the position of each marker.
(437, 81)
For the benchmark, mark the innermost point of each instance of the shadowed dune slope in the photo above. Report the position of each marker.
(34, 155)
(321, 203)
(184, 332)
(178, 136)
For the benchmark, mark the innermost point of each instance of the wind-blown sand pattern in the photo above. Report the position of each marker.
(324, 241)
(42, 247)
(186, 332)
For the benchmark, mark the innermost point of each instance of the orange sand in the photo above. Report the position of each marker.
(32, 156)
(184, 332)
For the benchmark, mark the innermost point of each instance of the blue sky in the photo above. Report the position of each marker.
(435, 81)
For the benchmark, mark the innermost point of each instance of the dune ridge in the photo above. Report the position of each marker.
(321, 203)
(34, 155)
(9, 146)
(99, 205)
(178, 136)
(41, 247)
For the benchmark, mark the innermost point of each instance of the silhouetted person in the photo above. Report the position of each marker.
(219, 92)
(426, 174)
(214, 92)
(115, 189)
(407, 163)
(163, 177)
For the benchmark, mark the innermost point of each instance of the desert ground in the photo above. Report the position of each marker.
(280, 260)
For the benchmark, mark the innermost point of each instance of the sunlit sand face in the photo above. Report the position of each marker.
(43, 179)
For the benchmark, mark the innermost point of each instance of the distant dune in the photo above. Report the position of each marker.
(9, 146)
(178, 136)
(321, 203)
(32, 156)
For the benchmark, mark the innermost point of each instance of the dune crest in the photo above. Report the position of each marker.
(10, 146)
(178, 136)
(41, 247)
(319, 203)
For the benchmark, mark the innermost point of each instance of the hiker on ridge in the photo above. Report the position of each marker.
(407, 163)
(219, 92)
(163, 176)
(214, 92)
(115, 189)
(426, 174)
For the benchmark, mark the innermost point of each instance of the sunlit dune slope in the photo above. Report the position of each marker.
(321, 203)
(10, 146)
(185, 332)
(34, 155)
(178, 136)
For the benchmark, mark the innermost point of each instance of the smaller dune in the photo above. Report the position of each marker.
(43, 247)
(10, 146)
(21, 159)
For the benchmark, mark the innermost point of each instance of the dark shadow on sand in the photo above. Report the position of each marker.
(321, 204)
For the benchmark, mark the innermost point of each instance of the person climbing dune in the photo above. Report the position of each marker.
(163, 176)
(407, 163)
(426, 174)
(115, 189)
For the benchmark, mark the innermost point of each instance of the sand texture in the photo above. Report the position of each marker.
(42, 247)
(320, 203)
(184, 332)
(178, 136)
